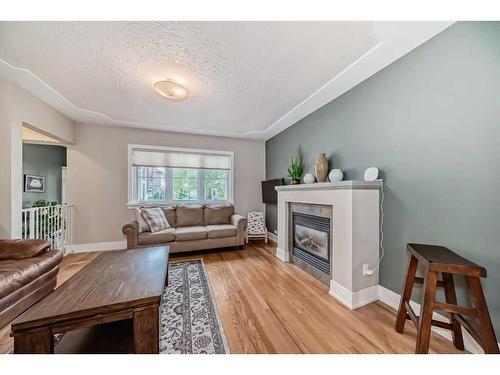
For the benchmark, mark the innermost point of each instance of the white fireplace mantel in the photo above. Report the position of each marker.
(355, 242)
(351, 184)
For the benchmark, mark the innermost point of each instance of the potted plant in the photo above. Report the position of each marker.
(295, 170)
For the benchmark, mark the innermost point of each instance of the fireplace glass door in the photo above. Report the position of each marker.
(311, 240)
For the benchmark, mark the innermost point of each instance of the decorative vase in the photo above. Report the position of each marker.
(309, 178)
(336, 175)
(321, 168)
(295, 181)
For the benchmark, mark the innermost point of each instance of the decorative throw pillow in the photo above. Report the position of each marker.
(143, 226)
(155, 217)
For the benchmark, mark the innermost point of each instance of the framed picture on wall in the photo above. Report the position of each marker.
(34, 184)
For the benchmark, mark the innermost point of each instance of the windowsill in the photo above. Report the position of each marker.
(132, 205)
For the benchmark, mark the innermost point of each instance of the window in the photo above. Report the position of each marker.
(150, 183)
(216, 186)
(164, 174)
(185, 184)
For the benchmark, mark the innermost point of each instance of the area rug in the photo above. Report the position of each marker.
(189, 320)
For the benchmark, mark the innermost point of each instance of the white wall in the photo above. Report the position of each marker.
(28, 109)
(97, 175)
(17, 106)
(97, 165)
(5, 160)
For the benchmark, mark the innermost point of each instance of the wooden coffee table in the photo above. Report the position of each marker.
(116, 286)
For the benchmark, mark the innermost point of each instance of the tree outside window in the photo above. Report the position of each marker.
(216, 184)
(185, 182)
(157, 184)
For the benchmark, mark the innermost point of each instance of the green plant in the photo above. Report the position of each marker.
(295, 169)
(43, 203)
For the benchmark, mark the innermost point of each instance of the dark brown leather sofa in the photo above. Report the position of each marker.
(28, 271)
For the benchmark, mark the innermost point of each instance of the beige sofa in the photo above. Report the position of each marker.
(193, 227)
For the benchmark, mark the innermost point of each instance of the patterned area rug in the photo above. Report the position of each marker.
(189, 320)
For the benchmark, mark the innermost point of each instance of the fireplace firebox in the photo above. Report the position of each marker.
(311, 240)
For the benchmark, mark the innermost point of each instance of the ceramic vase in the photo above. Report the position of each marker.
(336, 175)
(321, 168)
(308, 178)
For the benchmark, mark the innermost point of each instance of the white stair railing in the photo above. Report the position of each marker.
(53, 223)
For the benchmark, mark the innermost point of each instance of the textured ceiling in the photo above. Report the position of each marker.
(242, 76)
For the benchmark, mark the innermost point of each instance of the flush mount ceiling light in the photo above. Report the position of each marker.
(171, 89)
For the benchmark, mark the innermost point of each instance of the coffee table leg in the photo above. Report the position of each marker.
(34, 342)
(146, 330)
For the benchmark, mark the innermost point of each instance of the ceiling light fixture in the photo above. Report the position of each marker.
(170, 89)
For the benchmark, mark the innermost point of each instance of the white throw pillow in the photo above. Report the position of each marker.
(156, 219)
(143, 226)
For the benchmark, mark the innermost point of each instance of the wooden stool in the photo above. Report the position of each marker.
(440, 259)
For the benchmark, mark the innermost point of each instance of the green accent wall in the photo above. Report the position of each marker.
(47, 161)
(431, 123)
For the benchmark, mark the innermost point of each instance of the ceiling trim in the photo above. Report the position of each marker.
(396, 40)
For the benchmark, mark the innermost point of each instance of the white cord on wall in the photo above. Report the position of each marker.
(368, 271)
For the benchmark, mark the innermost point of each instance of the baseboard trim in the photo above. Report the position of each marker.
(96, 246)
(281, 254)
(272, 237)
(392, 299)
(353, 300)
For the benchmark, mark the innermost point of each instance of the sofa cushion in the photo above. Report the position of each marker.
(221, 230)
(189, 215)
(170, 214)
(155, 217)
(22, 249)
(190, 233)
(162, 236)
(218, 214)
(14, 274)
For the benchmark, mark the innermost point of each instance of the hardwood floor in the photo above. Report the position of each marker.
(268, 306)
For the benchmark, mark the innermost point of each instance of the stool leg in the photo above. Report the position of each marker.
(410, 278)
(425, 319)
(451, 298)
(489, 341)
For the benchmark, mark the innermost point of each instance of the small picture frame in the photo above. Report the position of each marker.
(34, 184)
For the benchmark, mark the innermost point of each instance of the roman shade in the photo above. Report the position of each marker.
(178, 159)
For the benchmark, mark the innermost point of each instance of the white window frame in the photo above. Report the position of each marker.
(131, 177)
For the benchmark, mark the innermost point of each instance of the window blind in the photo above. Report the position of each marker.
(176, 159)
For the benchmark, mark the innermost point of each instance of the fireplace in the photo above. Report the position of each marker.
(311, 240)
(331, 230)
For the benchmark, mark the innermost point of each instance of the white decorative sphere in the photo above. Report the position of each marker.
(336, 175)
(371, 174)
(309, 178)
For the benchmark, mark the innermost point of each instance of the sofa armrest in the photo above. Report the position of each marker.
(240, 223)
(131, 230)
(22, 249)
